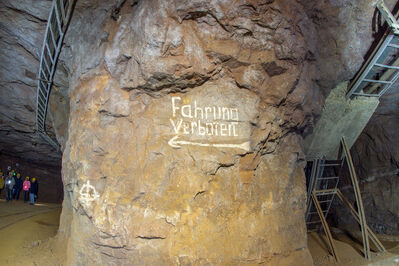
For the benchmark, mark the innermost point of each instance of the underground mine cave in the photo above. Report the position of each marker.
(202, 132)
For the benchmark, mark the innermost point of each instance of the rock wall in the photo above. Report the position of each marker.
(48, 177)
(183, 143)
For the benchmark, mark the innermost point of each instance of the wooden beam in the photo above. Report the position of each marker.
(325, 226)
(358, 197)
(372, 236)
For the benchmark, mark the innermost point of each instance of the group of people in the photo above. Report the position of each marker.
(14, 184)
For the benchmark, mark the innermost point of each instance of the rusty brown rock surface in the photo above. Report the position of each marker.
(182, 144)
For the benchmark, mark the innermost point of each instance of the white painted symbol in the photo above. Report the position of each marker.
(173, 142)
(88, 193)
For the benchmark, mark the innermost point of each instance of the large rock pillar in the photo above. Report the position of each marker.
(182, 143)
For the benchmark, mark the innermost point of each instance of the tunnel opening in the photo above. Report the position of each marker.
(23, 223)
(48, 177)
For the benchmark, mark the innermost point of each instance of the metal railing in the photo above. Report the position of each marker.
(57, 24)
(381, 70)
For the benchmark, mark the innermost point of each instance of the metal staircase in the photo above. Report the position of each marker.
(381, 70)
(324, 176)
(57, 24)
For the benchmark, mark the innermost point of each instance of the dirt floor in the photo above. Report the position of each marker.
(27, 234)
(349, 250)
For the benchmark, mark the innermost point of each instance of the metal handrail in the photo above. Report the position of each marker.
(57, 24)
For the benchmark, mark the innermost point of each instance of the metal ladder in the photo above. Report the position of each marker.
(57, 25)
(322, 191)
(380, 71)
(324, 175)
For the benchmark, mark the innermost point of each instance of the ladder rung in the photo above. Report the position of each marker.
(41, 108)
(40, 112)
(62, 9)
(377, 81)
(316, 212)
(42, 95)
(50, 55)
(393, 45)
(330, 164)
(41, 92)
(45, 62)
(366, 94)
(40, 105)
(44, 73)
(314, 222)
(333, 161)
(40, 120)
(329, 177)
(386, 66)
(57, 16)
(324, 192)
(52, 36)
(40, 115)
(323, 201)
(314, 230)
(43, 80)
(47, 88)
(41, 126)
(43, 102)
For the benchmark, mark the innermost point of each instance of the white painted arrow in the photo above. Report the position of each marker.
(173, 142)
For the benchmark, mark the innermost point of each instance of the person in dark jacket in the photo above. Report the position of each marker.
(9, 186)
(2, 181)
(8, 170)
(17, 187)
(14, 177)
(34, 187)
